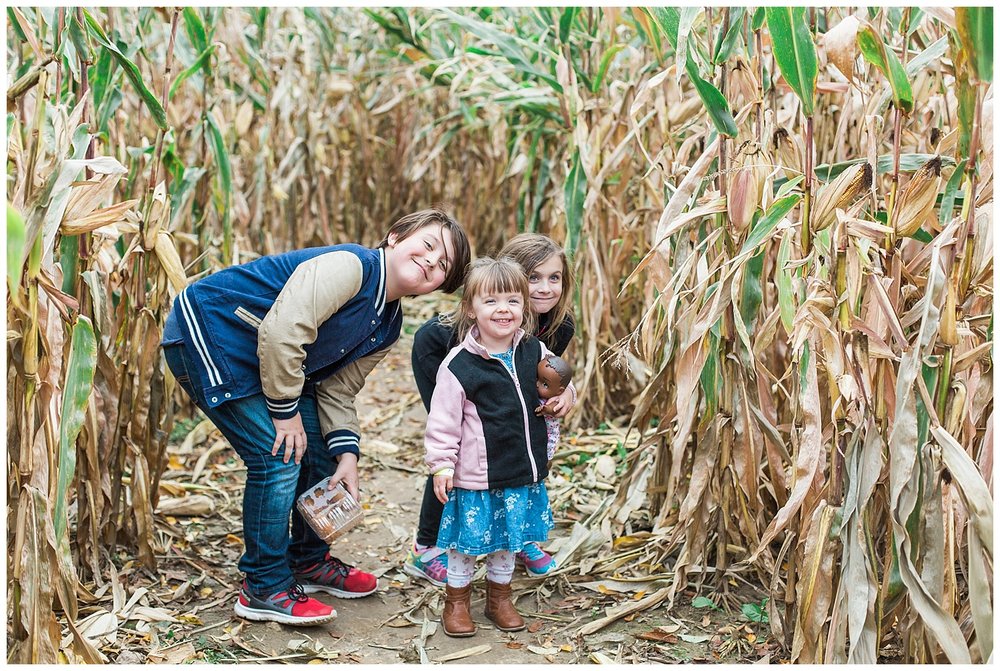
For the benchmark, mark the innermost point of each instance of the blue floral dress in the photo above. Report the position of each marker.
(477, 522)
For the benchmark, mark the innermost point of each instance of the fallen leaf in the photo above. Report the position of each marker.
(601, 658)
(565, 647)
(658, 636)
(233, 539)
(180, 654)
(705, 621)
(535, 626)
(462, 654)
(538, 650)
(695, 638)
(514, 645)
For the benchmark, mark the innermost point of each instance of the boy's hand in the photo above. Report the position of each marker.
(442, 485)
(347, 472)
(293, 435)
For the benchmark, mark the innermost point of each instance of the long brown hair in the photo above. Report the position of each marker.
(491, 276)
(531, 250)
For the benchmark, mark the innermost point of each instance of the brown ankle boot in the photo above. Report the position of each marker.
(500, 609)
(456, 620)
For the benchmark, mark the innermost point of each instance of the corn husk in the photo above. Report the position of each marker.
(746, 185)
(850, 185)
(916, 199)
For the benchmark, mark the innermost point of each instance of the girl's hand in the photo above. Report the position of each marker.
(293, 435)
(347, 472)
(559, 406)
(442, 485)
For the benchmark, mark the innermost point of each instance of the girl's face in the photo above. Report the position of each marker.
(545, 284)
(498, 315)
(418, 263)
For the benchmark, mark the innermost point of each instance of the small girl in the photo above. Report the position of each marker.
(486, 447)
(550, 283)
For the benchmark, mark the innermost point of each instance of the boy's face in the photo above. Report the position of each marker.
(549, 382)
(419, 263)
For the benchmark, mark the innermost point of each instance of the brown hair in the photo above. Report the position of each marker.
(531, 250)
(409, 224)
(486, 276)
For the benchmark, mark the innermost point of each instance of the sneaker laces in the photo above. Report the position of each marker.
(533, 552)
(338, 566)
(296, 593)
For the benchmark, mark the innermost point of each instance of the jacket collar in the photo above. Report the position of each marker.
(472, 343)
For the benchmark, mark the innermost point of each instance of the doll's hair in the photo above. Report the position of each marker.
(491, 276)
(561, 367)
(531, 250)
(411, 223)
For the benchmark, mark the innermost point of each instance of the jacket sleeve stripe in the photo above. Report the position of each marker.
(214, 377)
(380, 294)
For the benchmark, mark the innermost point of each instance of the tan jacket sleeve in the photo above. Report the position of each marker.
(313, 294)
(335, 398)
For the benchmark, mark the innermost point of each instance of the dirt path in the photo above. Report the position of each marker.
(400, 622)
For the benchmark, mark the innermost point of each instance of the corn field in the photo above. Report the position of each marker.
(780, 221)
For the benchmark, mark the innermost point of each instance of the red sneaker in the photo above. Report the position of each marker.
(335, 577)
(289, 606)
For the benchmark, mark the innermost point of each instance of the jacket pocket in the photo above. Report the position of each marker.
(248, 317)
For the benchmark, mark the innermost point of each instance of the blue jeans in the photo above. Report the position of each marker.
(272, 486)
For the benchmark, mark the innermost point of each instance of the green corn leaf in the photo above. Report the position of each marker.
(726, 44)
(195, 29)
(794, 52)
(786, 292)
(951, 191)
(907, 163)
(766, 224)
(513, 48)
(75, 397)
(78, 36)
(674, 23)
(602, 68)
(15, 24)
(197, 65)
(15, 250)
(131, 72)
(101, 73)
(574, 190)
(926, 57)
(715, 103)
(875, 52)
(752, 294)
(566, 23)
(224, 194)
(709, 380)
(758, 19)
(975, 30)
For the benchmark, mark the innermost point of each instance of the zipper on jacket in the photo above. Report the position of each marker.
(524, 410)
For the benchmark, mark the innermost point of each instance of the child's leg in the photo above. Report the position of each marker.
(429, 523)
(306, 547)
(268, 496)
(499, 606)
(500, 566)
(456, 618)
(461, 567)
